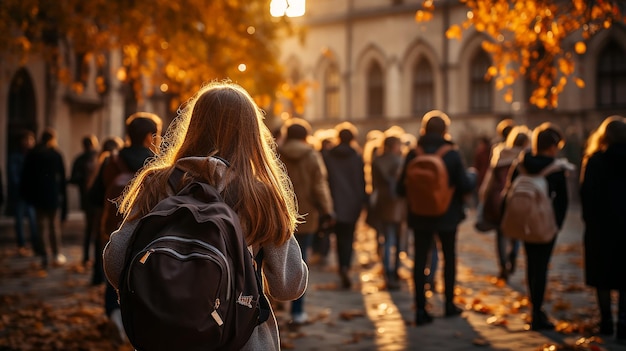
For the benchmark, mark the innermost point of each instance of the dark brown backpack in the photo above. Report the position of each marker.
(190, 282)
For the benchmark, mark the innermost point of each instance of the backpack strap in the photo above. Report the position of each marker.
(176, 177)
(264, 305)
(555, 166)
(441, 151)
(444, 149)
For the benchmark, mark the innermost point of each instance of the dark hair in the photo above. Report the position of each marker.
(140, 124)
(615, 132)
(435, 125)
(545, 136)
(47, 136)
(504, 127)
(90, 142)
(390, 141)
(296, 131)
(346, 136)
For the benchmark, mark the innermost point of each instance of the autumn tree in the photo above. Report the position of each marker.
(174, 46)
(535, 40)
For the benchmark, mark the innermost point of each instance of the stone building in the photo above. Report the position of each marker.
(369, 62)
(33, 99)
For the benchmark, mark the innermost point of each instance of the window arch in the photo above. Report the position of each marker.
(481, 89)
(423, 96)
(611, 77)
(375, 90)
(332, 81)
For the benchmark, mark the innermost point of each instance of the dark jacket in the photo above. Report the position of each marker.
(458, 179)
(346, 179)
(83, 169)
(43, 179)
(557, 183)
(603, 200)
(133, 156)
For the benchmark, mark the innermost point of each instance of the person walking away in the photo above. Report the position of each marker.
(390, 208)
(83, 169)
(110, 146)
(21, 207)
(518, 141)
(603, 191)
(222, 119)
(546, 142)
(307, 172)
(143, 131)
(433, 136)
(346, 179)
(43, 185)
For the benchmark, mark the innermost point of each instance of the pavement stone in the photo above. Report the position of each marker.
(368, 317)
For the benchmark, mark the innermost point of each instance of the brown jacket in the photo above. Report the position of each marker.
(307, 171)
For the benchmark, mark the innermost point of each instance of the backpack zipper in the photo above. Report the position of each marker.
(147, 251)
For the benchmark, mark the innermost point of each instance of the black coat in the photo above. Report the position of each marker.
(346, 180)
(458, 178)
(603, 199)
(43, 182)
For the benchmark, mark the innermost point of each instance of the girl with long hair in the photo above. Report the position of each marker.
(223, 120)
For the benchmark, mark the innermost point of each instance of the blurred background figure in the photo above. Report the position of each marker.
(307, 172)
(603, 194)
(389, 207)
(347, 187)
(21, 207)
(43, 185)
(84, 169)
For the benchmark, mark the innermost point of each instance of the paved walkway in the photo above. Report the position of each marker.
(366, 317)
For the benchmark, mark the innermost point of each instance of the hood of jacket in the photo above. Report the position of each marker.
(210, 170)
(505, 156)
(294, 150)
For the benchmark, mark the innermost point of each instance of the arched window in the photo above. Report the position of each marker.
(331, 92)
(423, 88)
(375, 90)
(611, 77)
(481, 89)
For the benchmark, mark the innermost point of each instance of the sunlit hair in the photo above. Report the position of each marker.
(504, 127)
(545, 136)
(436, 122)
(597, 140)
(518, 136)
(222, 119)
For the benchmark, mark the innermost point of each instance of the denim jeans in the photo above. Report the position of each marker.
(304, 240)
(22, 208)
(391, 232)
(49, 223)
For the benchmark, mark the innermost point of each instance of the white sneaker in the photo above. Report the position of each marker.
(300, 318)
(60, 260)
(116, 318)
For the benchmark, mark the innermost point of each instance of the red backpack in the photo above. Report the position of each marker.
(428, 190)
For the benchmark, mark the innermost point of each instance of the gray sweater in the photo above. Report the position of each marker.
(285, 273)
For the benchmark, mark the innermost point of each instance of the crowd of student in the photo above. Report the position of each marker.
(294, 188)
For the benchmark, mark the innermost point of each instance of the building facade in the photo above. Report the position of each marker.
(369, 62)
(32, 99)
